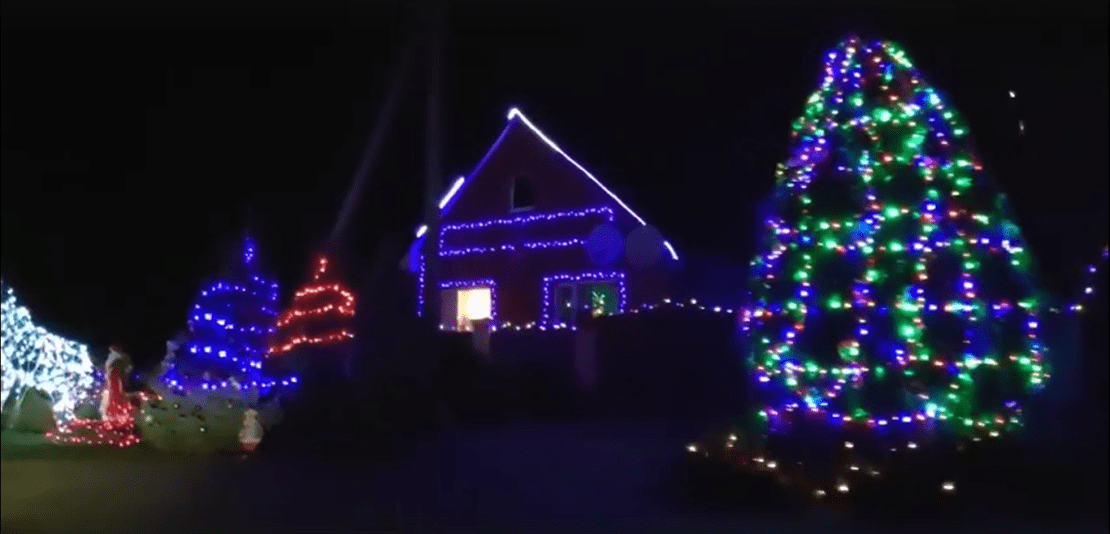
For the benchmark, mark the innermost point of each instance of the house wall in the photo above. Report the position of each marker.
(558, 186)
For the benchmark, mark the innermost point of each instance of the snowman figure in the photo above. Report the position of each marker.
(172, 346)
(251, 433)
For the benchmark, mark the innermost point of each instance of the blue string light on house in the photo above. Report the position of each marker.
(603, 214)
(549, 319)
(230, 327)
(531, 221)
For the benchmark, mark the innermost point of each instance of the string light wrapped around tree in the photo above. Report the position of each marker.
(319, 315)
(229, 329)
(34, 358)
(894, 306)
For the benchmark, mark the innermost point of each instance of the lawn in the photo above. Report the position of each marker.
(25, 446)
(550, 477)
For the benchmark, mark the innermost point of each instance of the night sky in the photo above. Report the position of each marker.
(134, 140)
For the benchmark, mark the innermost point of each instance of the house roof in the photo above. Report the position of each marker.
(447, 201)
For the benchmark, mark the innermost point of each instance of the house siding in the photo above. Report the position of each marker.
(558, 186)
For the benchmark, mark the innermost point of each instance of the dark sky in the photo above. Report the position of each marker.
(134, 139)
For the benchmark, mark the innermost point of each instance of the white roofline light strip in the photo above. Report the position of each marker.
(461, 181)
(516, 113)
(443, 202)
(674, 255)
(450, 194)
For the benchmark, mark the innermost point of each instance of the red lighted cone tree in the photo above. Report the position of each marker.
(320, 314)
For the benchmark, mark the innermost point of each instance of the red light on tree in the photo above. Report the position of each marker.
(320, 313)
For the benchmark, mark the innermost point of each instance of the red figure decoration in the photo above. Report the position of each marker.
(117, 424)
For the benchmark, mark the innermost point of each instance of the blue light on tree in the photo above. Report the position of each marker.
(230, 327)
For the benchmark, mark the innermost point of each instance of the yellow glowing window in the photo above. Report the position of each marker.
(474, 303)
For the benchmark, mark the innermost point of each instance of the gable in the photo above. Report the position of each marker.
(522, 150)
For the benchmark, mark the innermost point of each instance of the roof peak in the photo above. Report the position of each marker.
(516, 113)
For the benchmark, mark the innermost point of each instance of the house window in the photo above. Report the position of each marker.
(522, 196)
(565, 304)
(603, 298)
(596, 298)
(472, 304)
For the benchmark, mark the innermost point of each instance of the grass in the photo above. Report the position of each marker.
(1052, 492)
(19, 446)
(594, 474)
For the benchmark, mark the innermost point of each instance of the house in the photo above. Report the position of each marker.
(532, 238)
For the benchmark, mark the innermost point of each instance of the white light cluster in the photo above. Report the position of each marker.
(36, 358)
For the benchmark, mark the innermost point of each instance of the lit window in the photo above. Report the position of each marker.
(473, 304)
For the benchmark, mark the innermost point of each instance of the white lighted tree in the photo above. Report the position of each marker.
(36, 358)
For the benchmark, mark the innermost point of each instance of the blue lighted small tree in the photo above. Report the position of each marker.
(230, 326)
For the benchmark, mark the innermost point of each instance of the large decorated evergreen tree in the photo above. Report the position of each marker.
(893, 305)
(230, 326)
(34, 358)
